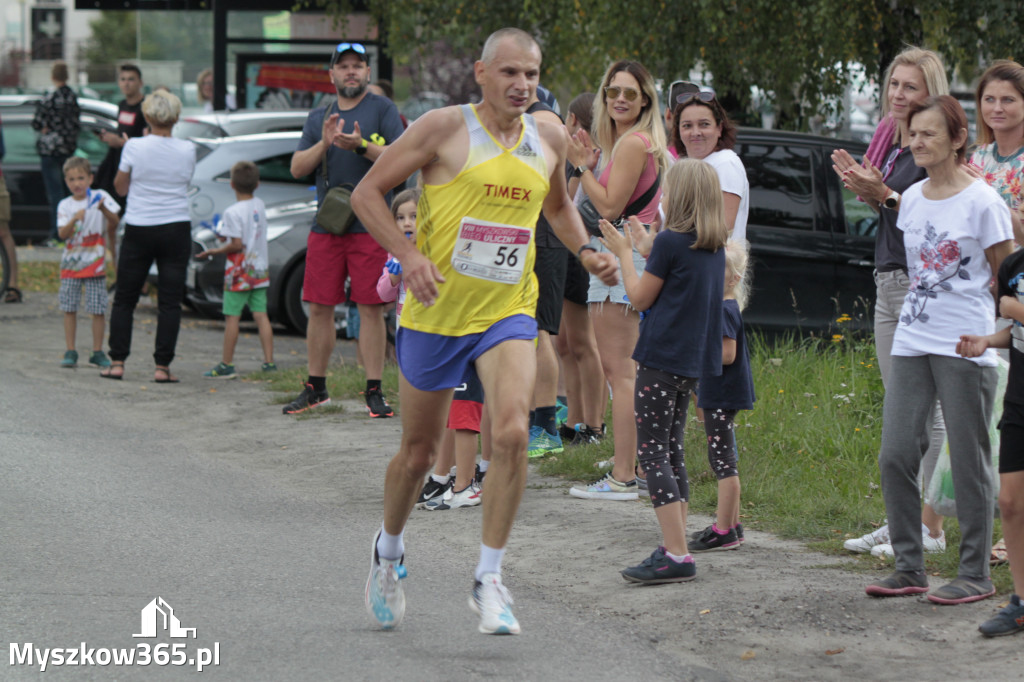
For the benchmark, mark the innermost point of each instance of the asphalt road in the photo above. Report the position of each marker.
(116, 493)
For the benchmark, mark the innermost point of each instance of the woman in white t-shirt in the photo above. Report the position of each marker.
(956, 230)
(703, 131)
(154, 174)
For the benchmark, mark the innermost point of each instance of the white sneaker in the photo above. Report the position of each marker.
(385, 598)
(866, 542)
(467, 497)
(492, 602)
(930, 545)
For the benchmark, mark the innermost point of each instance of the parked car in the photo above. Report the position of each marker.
(812, 241)
(241, 122)
(288, 227)
(30, 212)
(210, 192)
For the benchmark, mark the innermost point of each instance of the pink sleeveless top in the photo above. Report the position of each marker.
(647, 178)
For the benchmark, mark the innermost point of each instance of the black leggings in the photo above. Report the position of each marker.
(661, 401)
(170, 246)
(721, 432)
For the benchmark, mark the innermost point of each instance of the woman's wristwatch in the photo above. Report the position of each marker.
(578, 171)
(892, 200)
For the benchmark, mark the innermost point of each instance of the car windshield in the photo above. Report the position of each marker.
(190, 128)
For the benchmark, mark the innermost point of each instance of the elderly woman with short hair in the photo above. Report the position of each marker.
(154, 174)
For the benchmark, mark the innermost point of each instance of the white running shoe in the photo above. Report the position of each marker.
(865, 543)
(492, 602)
(467, 497)
(385, 598)
(930, 545)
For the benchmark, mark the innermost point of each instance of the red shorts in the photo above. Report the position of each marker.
(465, 415)
(331, 259)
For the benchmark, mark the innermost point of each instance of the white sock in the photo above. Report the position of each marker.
(390, 547)
(440, 479)
(490, 560)
(677, 559)
(484, 463)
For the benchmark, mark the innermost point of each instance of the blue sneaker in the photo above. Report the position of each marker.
(543, 443)
(491, 601)
(658, 569)
(1006, 622)
(385, 598)
(561, 413)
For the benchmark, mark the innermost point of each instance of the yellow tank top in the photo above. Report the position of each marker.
(479, 230)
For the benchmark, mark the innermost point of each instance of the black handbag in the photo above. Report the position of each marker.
(591, 216)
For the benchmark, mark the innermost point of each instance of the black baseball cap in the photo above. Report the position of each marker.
(342, 48)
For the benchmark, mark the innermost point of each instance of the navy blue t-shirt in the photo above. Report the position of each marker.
(379, 123)
(1011, 283)
(734, 388)
(682, 332)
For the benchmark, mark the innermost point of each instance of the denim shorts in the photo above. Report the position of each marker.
(599, 292)
(432, 362)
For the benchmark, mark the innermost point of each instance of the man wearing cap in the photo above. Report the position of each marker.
(350, 133)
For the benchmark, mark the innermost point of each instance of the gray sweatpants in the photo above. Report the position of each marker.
(966, 392)
(891, 289)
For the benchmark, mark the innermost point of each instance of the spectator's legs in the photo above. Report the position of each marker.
(135, 257)
(231, 324)
(617, 328)
(372, 339)
(320, 337)
(52, 168)
(174, 247)
(266, 332)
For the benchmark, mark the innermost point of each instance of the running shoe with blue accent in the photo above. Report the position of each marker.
(385, 598)
(607, 488)
(491, 601)
(543, 443)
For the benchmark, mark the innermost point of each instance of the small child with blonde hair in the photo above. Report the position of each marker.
(721, 397)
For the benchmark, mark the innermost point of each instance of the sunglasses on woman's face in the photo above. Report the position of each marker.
(613, 92)
(704, 95)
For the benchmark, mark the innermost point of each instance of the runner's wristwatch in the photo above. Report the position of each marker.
(585, 247)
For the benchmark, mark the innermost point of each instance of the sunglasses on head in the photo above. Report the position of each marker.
(704, 94)
(345, 47)
(613, 92)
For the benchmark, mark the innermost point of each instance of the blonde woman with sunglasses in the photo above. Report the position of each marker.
(628, 132)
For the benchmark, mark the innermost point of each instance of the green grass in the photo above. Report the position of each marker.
(344, 382)
(808, 451)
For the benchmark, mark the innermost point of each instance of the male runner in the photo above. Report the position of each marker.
(488, 170)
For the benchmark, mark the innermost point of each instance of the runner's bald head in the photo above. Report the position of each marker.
(517, 36)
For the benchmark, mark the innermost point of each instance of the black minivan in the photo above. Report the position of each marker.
(812, 241)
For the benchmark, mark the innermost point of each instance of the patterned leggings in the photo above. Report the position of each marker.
(660, 404)
(721, 432)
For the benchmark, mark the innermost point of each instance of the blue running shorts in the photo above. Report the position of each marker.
(432, 362)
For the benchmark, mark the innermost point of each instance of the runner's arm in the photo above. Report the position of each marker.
(562, 214)
(415, 148)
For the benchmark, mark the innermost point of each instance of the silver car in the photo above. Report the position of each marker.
(241, 122)
(210, 193)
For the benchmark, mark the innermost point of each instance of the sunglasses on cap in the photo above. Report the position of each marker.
(342, 48)
(613, 91)
(704, 94)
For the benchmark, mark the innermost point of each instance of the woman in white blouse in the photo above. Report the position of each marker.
(154, 173)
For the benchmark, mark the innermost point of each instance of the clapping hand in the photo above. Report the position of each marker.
(617, 242)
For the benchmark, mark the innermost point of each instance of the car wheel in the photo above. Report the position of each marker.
(297, 311)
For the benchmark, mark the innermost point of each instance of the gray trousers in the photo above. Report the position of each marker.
(891, 289)
(966, 392)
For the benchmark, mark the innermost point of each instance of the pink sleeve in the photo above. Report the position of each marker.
(385, 289)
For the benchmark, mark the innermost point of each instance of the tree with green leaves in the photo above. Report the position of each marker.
(799, 53)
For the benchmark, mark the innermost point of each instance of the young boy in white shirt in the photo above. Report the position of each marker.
(246, 271)
(81, 219)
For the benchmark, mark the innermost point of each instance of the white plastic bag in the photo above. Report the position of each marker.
(939, 494)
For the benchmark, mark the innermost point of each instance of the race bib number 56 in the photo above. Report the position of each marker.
(491, 251)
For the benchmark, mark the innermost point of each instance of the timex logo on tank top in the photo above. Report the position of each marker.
(507, 192)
